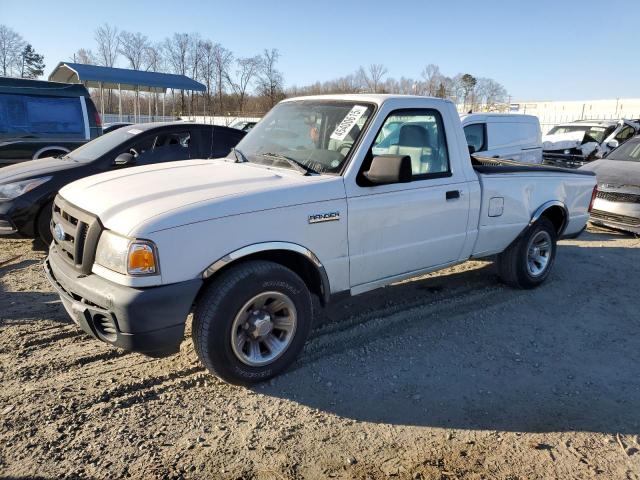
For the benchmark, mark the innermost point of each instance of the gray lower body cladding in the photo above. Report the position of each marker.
(148, 319)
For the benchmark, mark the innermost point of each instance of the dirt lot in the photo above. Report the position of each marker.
(450, 376)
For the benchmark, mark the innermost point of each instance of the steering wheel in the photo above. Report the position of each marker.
(133, 152)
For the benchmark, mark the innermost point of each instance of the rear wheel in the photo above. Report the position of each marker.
(43, 225)
(527, 262)
(252, 321)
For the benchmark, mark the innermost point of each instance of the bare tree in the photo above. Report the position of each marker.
(154, 58)
(432, 77)
(134, 47)
(84, 56)
(208, 67)
(223, 59)
(177, 52)
(11, 45)
(270, 81)
(372, 77)
(108, 41)
(490, 94)
(246, 72)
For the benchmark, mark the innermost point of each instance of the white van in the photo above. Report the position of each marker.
(502, 135)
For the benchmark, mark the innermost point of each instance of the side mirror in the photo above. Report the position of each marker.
(472, 149)
(389, 169)
(613, 144)
(123, 159)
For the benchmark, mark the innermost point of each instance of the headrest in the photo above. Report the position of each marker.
(413, 136)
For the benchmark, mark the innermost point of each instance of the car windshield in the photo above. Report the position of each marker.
(629, 152)
(316, 135)
(94, 149)
(592, 134)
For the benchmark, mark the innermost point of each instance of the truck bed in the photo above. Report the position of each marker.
(488, 166)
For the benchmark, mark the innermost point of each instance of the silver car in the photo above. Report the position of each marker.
(617, 202)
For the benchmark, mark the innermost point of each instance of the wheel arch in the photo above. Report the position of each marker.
(55, 148)
(556, 212)
(297, 258)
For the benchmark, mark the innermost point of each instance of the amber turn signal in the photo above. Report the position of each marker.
(142, 259)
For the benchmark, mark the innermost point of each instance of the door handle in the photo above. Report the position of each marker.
(451, 194)
(496, 156)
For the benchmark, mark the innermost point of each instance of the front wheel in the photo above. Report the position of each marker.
(252, 322)
(527, 262)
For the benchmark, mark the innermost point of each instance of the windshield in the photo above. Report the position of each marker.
(629, 151)
(315, 134)
(592, 134)
(94, 149)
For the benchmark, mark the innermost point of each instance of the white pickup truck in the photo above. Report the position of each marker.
(302, 208)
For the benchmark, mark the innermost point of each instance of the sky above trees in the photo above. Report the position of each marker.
(539, 50)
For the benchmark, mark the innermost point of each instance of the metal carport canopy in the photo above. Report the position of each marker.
(95, 76)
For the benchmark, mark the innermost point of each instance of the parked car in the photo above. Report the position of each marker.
(110, 127)
(301, 207)
(503, 135)
(576, 143)
(41, 119)
(617, 203)
(27, 189)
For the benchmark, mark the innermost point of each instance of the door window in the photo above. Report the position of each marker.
(625, 134)
(165, 147)
(476, 138)
(418, 134)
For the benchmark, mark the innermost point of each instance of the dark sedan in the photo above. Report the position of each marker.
(617, 203)
(27, 189)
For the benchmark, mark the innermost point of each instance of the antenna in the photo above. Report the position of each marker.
(213, 124)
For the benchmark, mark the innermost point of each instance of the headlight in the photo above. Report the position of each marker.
(13, 190)
(125, 255)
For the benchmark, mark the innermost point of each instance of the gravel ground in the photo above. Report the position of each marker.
(449, 376)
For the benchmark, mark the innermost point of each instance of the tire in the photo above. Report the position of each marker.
(222, 318)
(43, 226)
(519, 266)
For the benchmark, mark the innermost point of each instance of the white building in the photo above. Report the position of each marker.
(554, 113)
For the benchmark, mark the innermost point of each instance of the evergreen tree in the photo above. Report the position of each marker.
(32, 63)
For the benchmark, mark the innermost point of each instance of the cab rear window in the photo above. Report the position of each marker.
(40, 115)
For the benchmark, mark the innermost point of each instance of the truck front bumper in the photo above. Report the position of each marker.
(149, 320)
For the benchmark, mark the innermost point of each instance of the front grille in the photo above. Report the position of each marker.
(619, 197)
(75, 233)
(615, 218)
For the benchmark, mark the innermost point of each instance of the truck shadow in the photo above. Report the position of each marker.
(558, 358)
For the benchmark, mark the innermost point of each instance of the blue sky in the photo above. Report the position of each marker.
(539, 50)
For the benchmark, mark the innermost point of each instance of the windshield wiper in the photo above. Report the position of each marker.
(301, 167)
(240, 157)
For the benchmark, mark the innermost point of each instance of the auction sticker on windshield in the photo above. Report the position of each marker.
(348, 122)
(134, 131)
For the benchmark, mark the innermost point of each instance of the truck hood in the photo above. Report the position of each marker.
(616, 175)
(141, 200)
(562, 141)
(34, 168)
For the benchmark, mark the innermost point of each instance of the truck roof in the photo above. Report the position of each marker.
(23, 86)
(377, 98)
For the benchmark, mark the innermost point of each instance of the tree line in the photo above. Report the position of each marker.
(235, 84)
(470, 93)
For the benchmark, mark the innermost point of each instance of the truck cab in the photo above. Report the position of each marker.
(326, 195)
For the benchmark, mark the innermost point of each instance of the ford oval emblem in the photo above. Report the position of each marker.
(58, 232)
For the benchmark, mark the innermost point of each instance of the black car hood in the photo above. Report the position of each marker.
(35, 168)
(615, 174)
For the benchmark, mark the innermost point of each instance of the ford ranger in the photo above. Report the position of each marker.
(302, 207)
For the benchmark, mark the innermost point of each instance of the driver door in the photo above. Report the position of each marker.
(396, 230)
